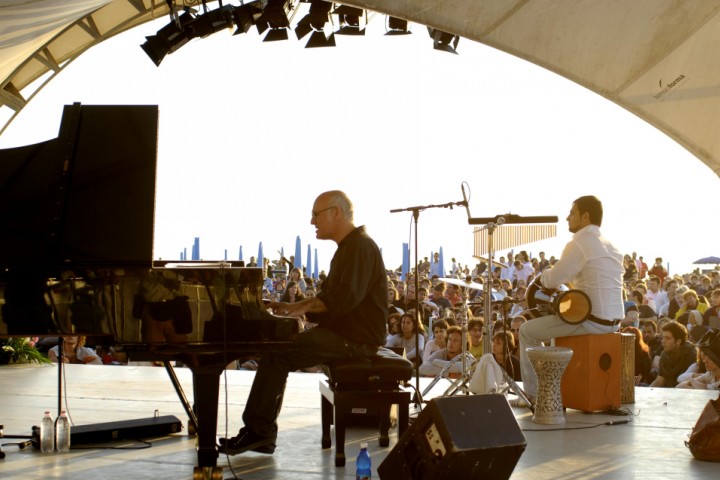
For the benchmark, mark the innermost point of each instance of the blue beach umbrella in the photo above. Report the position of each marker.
(442, 263)
(225, 255)
(405, 261)
(240, 254)
(298, 253)
(315, 274)
(260, 259)
(308, 269)
(196, 249)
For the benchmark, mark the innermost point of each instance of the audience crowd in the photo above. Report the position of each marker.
(675, 318)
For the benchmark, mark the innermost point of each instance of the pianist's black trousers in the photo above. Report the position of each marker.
(311, 347)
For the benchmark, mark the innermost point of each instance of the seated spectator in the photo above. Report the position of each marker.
(503, 344)
(409, 329)
(645, 310)
(694, 370)
(643, 360)
(475, 334)
(393, 325)
(713, 311)
(436, 362)
(677, 355)
(710, 380)
(654, 342)
(75, 351)
(292, 293)
(439, 340)
(691, 301)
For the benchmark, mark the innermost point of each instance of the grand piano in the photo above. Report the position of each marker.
(76, 237)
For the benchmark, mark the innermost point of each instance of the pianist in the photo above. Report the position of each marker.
(350, 312)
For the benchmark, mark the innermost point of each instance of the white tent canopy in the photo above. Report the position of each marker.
(659, 59)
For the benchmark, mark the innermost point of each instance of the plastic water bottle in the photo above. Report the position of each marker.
(47, 433)
(362, 464)
(62, 433)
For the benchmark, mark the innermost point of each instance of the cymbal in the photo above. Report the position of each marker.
(462, 283)
(495, 263)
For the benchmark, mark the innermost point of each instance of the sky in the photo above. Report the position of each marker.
(251, 132)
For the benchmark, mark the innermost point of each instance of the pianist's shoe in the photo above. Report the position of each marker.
(247, 441)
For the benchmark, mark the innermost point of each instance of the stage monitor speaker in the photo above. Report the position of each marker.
(473, 436)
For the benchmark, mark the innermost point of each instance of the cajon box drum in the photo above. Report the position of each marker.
(592, 379)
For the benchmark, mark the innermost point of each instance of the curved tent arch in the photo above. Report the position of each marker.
(656, 58)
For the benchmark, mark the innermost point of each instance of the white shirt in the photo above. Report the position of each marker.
(594, 266)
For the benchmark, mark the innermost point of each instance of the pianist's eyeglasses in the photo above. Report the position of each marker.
(315, 214)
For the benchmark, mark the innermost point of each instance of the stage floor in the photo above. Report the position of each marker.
(650, 446)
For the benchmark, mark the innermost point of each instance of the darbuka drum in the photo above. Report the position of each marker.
(549, 364)
(572, 306)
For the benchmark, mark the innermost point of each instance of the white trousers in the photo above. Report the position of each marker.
(538, 332)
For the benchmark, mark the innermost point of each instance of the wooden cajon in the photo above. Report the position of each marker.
(592, 378)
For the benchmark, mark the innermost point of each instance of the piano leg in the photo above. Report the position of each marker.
(206, 385)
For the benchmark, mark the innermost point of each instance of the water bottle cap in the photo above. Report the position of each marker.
(363, 446)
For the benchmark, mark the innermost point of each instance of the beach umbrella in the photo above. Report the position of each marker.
(442, 264)
(240, 254)
(196, 249)
(298, 253)
(706, 260)
(405, 261)
(315, 274)
(225, 255)
(308, 269)
(260, 259)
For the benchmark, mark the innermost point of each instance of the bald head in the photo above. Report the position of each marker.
(332, 216)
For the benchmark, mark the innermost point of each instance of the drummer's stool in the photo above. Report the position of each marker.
(592, 379)
(364, 383)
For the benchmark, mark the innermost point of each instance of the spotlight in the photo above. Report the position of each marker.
(276, 15)
(443, 41)
(212, 21)
(320, 39)
(397, 26)
(169, 38)
(352, 20)
(244, 18)
(315, 21)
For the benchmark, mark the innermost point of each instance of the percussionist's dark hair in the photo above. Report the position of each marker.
(593, 206)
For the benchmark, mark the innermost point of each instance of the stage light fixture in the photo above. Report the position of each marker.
(317, 21)
(277, 15)
(443, 41)
(352, 20)
(244, 18)
(212, 21)
(169, 38)
(397, 26)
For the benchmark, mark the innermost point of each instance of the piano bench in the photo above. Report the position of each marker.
(362, 384)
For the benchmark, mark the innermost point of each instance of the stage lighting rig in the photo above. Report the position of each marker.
(397, 26)
(318, 22)
(276, 16)
(443, 41)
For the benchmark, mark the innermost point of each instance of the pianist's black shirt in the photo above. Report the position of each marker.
(355, 291)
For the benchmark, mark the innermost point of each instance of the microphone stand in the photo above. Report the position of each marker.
(416, 214)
